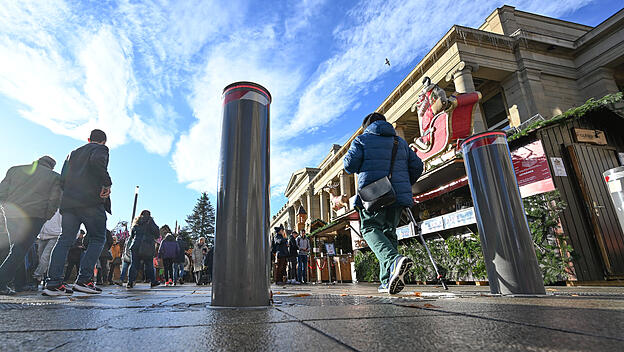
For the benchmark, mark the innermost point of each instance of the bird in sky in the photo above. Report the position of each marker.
(387, 62)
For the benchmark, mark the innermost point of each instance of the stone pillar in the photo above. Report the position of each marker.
(323, 206)
(399, 127)
(345, 184)
(291, 217)
(598, 83)
(312, 205)
(462, 78)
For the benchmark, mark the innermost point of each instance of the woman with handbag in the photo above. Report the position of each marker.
(144, 234)
(387, 168)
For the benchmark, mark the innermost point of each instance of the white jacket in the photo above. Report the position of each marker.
(52, 228)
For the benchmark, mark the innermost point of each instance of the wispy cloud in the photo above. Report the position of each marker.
(399, 30)
(122, 66)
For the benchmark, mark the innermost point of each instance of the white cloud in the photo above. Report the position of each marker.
(248, 55)
(72, 76)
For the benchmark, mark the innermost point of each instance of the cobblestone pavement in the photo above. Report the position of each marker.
(317, 317)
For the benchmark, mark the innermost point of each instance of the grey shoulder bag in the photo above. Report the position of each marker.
(380, 193)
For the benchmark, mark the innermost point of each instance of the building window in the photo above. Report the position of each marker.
(495, 112)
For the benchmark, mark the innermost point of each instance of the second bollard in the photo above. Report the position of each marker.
(508, 250)
(241, 263)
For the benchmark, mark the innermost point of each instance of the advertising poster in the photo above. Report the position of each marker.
(531, 168)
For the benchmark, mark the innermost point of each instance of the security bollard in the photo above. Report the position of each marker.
(508, 250)
(242, 251)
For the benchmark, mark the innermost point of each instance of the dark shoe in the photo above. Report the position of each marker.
(130, 285)
(87, 287)
(154, 284)
(398, 269)
(61, 290)
(6, 291)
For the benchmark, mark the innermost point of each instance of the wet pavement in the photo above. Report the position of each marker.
(317, 317)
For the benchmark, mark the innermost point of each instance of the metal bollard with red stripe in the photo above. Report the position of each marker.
(241, 264)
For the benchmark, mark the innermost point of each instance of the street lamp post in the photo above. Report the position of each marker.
(136, 197)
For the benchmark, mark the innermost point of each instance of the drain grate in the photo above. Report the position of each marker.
(332, 300)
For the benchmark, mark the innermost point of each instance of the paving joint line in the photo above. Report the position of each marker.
(523, 324)
(320, 331)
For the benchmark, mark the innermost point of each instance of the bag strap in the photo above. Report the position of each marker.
(394, 151)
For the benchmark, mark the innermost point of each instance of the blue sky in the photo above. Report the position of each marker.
(150, 73)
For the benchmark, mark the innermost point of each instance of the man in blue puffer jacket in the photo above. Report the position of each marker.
(369, 156)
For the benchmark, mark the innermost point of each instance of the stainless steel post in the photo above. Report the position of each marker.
(242, 249)
(615, 182)
(508, 250)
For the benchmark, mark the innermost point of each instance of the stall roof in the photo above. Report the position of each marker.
(612, 102)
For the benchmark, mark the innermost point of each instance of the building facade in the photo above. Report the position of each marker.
(526, 67)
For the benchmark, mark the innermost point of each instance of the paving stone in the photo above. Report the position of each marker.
(199, 316)
(235, 337)
(455, 333)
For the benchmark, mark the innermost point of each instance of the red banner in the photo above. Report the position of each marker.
(532, 171)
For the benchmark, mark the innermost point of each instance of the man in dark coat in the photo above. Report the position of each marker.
(370, 157)
(86, 189)
(280, 249)
(293, 252)
(30, 196)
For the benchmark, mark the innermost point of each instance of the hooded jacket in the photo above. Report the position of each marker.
(144, 230)
(182, 245)
(370, 154)
(31, 190)
(83, 176)
(52, 228)
(280, 246)
(169, 248)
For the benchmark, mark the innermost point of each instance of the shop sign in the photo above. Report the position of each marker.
(590, 136)
(357, 241)
(459, 218)
(406, 231)
(531, 168)
(448, 221)
(432, 225)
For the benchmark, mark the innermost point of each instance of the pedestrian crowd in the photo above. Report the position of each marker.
(42, 240)
(290, 251)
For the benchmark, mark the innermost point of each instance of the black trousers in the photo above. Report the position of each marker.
(168, 264)
(23, 232)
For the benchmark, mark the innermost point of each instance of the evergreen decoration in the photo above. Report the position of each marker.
(614, 102)
(460, 258)
(201, 222)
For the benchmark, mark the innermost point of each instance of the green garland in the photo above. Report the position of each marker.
(577, 112)
(462, 258)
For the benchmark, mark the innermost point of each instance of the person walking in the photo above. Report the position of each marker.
(302, 260)
(105, 257)
(376, 153)
(178, 264)
(74, 255)
(280, 251)
(115, 252)
(29, 196)
(293, 251)
(46, 240)
(188, 268)
(168, 252)
(126, 260)
(86, 200)
(142, 248)
(198, 258)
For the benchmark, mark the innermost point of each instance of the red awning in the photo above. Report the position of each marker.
(453, 185)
